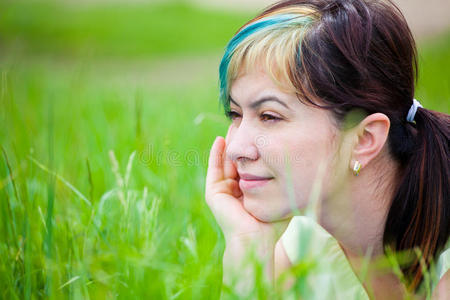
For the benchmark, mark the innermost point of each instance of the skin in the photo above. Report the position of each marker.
(272, 129)
(266, 139)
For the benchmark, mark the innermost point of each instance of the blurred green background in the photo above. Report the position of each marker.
(107, 114)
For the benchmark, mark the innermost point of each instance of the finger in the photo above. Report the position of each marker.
(230, 170)
(236, 190)
(215, 162)
(227, 186)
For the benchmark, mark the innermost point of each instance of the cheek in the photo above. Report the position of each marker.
(303, 157)
(304, 154)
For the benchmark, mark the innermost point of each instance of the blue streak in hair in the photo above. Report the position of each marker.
(234, 42)
(238, 38)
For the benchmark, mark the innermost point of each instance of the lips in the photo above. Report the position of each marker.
(250, 181)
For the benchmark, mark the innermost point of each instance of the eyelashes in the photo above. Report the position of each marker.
(269, 117)
(231, 114)
(265, 117)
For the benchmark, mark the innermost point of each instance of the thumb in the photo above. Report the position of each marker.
(215, 171)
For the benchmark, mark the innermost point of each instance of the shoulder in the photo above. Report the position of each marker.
(326, 270)
(442, 288)
(303, 237)
(443, 262)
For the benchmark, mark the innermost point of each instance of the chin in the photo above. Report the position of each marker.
(262, 211)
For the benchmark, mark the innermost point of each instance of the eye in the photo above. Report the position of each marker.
(265, 117)
(232, 114)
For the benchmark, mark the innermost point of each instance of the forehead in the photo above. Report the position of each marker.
(257, 83)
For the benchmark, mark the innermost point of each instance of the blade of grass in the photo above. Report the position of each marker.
(60, 178)
(12, 223)
(50, 204)
(91, 183)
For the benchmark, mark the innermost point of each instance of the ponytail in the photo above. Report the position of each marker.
(420, 210)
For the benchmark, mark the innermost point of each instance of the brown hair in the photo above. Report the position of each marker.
(359, 54)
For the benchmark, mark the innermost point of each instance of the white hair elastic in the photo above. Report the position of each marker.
(412, 111)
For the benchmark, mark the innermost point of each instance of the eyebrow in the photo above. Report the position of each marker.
(259, 102)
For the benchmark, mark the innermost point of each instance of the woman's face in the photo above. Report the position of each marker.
(278, 145)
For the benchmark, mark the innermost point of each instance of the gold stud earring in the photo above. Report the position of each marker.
(356, 168)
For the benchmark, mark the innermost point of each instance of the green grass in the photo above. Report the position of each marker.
(104, 150)
(434, 78)
(119, 241)
(116, 29)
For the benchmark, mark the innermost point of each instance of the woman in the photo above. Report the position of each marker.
(321, 98)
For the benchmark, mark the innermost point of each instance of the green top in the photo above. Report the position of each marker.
(442, 265)
(306, 241)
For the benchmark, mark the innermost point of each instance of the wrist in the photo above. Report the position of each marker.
(242, 258)
(241, 243)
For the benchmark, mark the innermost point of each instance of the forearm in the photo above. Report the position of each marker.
(241, 259)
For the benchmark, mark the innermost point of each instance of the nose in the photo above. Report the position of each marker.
(241, 144)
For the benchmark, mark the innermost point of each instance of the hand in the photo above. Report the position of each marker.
(240, 228)
(225, 200)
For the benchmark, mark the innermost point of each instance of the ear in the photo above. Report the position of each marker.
(372, 134)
